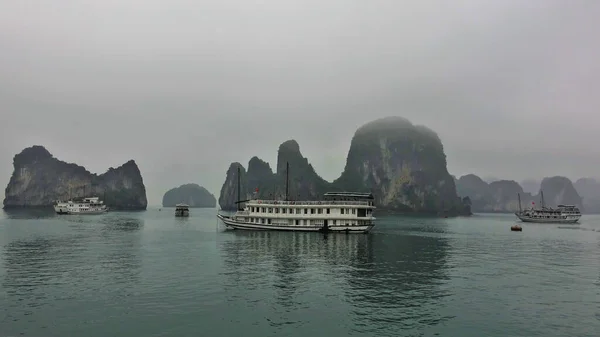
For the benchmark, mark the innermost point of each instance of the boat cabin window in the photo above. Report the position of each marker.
(320, 211)
(276, 210)
(312, 211)
(306, 211)
(298, 210)
(341, 211)
(328, 210)
(270, 210)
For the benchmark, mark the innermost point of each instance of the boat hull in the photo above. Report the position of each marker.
(88, 212)
(233, 224)
(66, 211)
(549, 220)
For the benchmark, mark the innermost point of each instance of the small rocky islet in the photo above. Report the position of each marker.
(194, 195)
(402, 164)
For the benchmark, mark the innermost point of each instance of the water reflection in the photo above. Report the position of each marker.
(121, 260)
(32, 266)
(74, 262)
(399, 283)
(391, 281)
(121, 223)
(29, 213)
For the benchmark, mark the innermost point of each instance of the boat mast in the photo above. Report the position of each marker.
(238, 190)
(542, 197)
(287, 178)
(519, 196)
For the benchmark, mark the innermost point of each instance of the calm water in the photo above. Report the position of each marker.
(150, 274)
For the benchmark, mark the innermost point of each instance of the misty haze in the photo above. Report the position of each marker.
(185, 89)
(300, 167)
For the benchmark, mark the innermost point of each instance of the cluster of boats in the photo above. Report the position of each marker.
(349, 212)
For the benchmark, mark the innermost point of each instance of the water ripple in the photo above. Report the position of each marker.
(149, 274)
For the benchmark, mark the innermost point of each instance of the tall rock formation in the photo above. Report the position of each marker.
(476, 189)
(229, 190)
(193, 195)
(560, 190)
(403, 165)
(504, 195)
(589, 190)
(39, 179)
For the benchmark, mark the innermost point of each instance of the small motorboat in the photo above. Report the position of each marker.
(516, 228)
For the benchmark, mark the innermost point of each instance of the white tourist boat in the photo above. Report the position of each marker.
(563, 214)
(348, 212)
(182, 210)
(91, 205)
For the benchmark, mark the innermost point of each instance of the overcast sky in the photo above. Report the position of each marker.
(186, 87)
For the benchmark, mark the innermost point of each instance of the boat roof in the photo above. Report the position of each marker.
(566, 206)
(349, 195)
(182, 205)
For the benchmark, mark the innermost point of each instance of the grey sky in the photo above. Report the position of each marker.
(186, 87)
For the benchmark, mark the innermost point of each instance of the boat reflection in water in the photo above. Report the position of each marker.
(378, 279)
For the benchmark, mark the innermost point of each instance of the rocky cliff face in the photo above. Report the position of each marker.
(403, 165)
(476, 189)
(589, 190)
(304, 183)
(504, 195)
(39, 179)
(560, 190)
(193, 195)
(228, 195)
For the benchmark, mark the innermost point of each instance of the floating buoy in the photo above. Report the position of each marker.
(516, 228)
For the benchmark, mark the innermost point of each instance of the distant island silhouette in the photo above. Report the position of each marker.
(193, 195)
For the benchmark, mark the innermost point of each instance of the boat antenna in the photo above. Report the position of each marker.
(238, 190)
(519, 196)
(287, 177)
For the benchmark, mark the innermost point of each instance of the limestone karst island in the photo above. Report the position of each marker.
(401, 164)
(192, 195)
(39, 179)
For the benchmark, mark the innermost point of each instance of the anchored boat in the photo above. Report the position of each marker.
(563, 214)
(182, 210)
(91, 205)
(349, 212)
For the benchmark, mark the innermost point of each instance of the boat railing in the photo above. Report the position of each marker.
(311, 203)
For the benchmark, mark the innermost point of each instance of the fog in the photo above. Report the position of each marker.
(187, 87)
